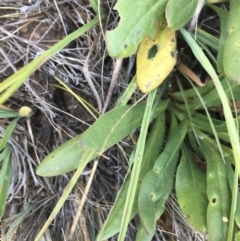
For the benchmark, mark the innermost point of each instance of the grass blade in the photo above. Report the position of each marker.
(8, 133)
(5, 178)
(136, 167)
(232, 130)
(152, 151)
(11, 84)
(86, 158)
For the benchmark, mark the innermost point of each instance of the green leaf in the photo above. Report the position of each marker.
(207, 39)
(231, 57)
(157, 184)
(191, 191)
(8, 133)
(212, 99)
(237, 237)
(137, 164)
(109, 129)
(191, 93)
(113, 222)
(142, 235)
(231, 54)
(138, 19)
(235, 209)
(178, 13)
(232, 130)
(223, 15)
(127, 94)
(18, 220)
(218, 192)
(5, 178)
(152, 150)
(8, 114)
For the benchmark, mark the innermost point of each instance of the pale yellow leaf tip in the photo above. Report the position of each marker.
(25, 111)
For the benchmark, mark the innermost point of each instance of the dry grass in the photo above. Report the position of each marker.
(27, 28)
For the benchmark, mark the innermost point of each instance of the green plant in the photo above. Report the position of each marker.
(155, 161)
(6, 156)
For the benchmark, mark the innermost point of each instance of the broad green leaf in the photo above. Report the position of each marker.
(138, 19)
(142, 235)
(218, 192)
(231, 57)
(153, 149)
(158, 182)
(227, 151)
(5, 178)
(179, 13)
(233, 24)
(231, 53)
(223, 15)
(109, 129)
(191, 191)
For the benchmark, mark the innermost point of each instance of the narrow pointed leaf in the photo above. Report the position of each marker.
(8, 133)
(5, 178)
(212, 99)
(8, 114)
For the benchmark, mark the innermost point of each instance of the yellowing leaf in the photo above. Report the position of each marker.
(156, 58)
